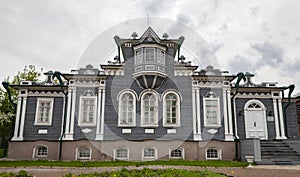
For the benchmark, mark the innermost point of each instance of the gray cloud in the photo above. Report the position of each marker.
(155, 7)
(271, 54)
(254, 10)
(241, 64)
(183, 18)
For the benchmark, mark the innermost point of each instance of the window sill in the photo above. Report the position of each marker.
(42, 124)
(126, 125)
(149, 125)
(87, 125)
(171, 125)
(213, 126)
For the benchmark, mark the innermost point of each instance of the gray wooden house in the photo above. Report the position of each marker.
(150, 105)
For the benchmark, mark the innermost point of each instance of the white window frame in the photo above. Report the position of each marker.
(37, 113)
(174, 148)
(149, 158)
(121, 158)
(120, 123)
(138, 58)
(206, 124)
(35, 151)
(78, 153)
(219, 153)
(160, 56)
(146, 52)
(155, 123)
(80, 120)
(178, 105)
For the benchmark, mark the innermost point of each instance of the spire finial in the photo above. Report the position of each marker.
(147, 20)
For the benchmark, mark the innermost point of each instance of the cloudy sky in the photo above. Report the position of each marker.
(261, 37)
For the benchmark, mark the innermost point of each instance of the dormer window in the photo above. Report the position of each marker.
(149, 55)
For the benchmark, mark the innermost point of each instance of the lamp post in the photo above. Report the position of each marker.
(59, 76)
(6, 87)
(240, 76)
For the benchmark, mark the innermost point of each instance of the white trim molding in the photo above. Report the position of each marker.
(87, 106)
(133, 96)
(177, 111)
(213, 109)
(126, 149)
(219, 154)
(176, 148)
(256, 105)
(154, 157)
(41, 111)
(77, 157)
(152, 109)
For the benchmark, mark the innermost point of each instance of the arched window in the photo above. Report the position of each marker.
(127, 109)
(176, 153)
(213, 154)
(149, 153)
(83, 153)
(41, 151)
(254, 105)
(149, 109)
(121, 154)
(171, 107)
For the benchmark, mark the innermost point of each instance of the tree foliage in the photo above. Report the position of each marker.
(7, 113)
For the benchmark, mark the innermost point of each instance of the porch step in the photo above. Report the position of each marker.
(277, 153)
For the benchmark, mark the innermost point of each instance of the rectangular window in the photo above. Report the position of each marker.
(150, 55)
(87, 111)
(44, 111)
(160, 56)
(211, 112)
(138, 56)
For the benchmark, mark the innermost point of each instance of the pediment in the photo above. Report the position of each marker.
(149, 36)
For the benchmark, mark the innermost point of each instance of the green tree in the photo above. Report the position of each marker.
(7, 114)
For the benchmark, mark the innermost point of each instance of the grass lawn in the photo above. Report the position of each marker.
(146, 172)
(27, 163)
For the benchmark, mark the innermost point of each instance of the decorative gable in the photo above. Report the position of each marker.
(149, 37)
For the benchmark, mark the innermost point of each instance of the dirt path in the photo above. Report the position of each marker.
(258, 171)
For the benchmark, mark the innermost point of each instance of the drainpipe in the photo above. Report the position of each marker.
(291, 89)
(239, 76)
(6, 86)
(59, 76)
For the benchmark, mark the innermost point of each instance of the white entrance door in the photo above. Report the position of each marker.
(255, 121)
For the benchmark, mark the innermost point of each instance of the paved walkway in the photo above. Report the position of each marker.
(257, 171)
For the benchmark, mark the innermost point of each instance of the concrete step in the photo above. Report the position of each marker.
(277, 153)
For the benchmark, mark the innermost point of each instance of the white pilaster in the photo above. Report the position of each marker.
(69, 136)
(99, 106)
(194, 111)
(102, 114)
(23, 118)
(17, 119)
(198, 136)
(68, 111)
(73, 112)
(229, 113)
(281, 120)
(276, 119)
(225, 106)
(228, 136)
